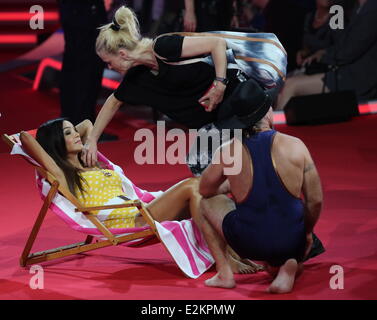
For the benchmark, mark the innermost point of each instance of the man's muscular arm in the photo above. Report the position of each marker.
(213, 180)
(312, 191)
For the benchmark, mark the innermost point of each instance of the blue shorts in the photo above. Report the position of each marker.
(256, 238)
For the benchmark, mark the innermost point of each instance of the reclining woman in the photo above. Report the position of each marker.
(58, 148)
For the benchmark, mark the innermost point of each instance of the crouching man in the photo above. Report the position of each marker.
(268, 221)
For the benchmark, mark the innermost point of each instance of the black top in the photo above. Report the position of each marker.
(176, 89)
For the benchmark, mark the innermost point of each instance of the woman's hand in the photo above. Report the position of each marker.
(301, 55)
(195, 46)
(189, 21)
(85, 129)
(317, 56)
(89, 153)
(213, 97)
(300, 58)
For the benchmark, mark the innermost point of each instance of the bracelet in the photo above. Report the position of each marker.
(224, 81)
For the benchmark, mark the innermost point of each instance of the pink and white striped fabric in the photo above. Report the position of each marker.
(182, 239)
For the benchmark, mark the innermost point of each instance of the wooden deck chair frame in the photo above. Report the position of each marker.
(28, 258)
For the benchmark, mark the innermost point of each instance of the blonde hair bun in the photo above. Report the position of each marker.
(128, 22)
(123, 32)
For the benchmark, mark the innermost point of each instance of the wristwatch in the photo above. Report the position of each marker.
(224, 81)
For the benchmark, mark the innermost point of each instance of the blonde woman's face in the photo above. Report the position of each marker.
(116, 62)
(72, 138)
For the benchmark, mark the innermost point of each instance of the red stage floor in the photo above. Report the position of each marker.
(346, 157)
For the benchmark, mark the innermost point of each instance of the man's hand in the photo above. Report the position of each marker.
(317, 56)
(309, 243)
(89, 153)
(213, 97)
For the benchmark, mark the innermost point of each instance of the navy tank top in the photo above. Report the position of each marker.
(269, 224)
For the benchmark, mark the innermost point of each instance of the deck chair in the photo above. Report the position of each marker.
(182, 239)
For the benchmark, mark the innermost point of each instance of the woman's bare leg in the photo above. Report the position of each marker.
(247, 266)
(175, 202)
(300, 85)
(180, 201)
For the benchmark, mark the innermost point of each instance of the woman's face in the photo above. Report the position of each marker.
(118, 62)
(72, 138)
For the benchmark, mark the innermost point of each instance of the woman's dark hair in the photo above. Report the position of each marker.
(50, 136)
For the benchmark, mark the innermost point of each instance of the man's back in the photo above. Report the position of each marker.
(289, 156)
(268, 221)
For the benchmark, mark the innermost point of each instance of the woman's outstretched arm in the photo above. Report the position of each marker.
(107, 112)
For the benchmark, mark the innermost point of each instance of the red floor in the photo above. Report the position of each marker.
(346, 157)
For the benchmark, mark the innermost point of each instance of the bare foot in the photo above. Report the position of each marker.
(221, 281)
(238, 266)
(285, 279)
(242, 265)
(256, 266)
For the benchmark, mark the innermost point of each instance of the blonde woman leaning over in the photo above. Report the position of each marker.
(193, 93)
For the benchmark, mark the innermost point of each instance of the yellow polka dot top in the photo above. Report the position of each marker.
(100, 186)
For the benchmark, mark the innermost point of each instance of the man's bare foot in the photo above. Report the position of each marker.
(285, 279)
(238, 266)
(221, 281)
